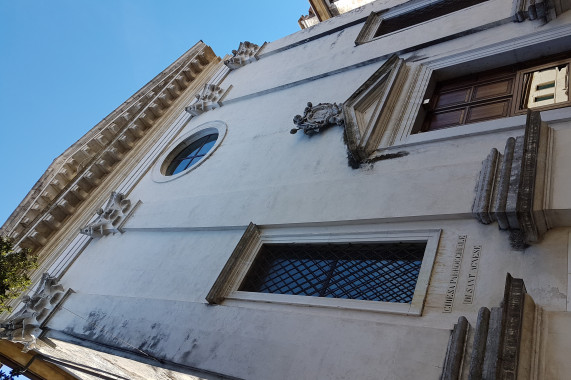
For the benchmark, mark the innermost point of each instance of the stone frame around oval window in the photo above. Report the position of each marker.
(182, 142)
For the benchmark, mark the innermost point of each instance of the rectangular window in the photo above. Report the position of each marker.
(471, 99)
(420, 15)
(384, 272)
(407, 15)
(498, 93)
(353, 267)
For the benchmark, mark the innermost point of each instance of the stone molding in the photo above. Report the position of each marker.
(500, 337)
(375, 18)
(367, 32)
(319, 117)
(455, 350)
(83, 167)
(512, 320)
(208, 99)
(511, 186)
(247, 53)
(26, 325)
(369, 110)
(175, 147)
(240, 259)
(521, 9)
(110, 217)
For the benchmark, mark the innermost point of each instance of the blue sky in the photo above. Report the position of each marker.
(66, 64)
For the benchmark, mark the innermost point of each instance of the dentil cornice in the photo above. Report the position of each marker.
(75, 174)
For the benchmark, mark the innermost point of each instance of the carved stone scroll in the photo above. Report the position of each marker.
(208, 99)
(25, 326)
(511, 185)
(110, 217)
(319, 117)
(247, 53)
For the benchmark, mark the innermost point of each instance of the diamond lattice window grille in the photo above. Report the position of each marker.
(385, 272)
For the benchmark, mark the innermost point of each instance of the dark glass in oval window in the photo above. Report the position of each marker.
(190, 155)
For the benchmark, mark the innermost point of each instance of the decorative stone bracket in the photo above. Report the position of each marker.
(247, 53)
(503, 338)
(111, 217)
(208, 99)
(511, 186)
(26, 325)
(319, 117)
(530, 10)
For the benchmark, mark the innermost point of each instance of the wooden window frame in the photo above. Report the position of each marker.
(519, 87)
(519, 71)
(471, 83)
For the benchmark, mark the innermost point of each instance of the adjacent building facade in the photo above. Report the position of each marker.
(321, 10)
(383, 195)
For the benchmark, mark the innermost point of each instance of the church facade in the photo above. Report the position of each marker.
(383, 195)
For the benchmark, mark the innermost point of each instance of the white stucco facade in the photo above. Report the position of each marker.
(140, 292)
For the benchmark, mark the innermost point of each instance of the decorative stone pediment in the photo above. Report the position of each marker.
(208, 99)
(369, 110)
(110, 217)
(247, 53)
(319, 117)
(26, 325)
(511, 186)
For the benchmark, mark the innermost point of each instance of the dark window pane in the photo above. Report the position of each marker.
(372, 271)
(424, 14)
(190, 150)
(206, 147)
(195, 160)
(181, 166)
(302, 277)
(191, 154)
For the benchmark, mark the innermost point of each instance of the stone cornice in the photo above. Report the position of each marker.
(75, 174)
(66, 244)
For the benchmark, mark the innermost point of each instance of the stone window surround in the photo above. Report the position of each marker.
(374, 20)
(422, 75)
(225, 288)
(521, 10)
(171, 150)
(519, 70)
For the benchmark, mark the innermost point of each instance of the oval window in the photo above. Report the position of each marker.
(191, 152)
